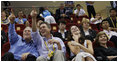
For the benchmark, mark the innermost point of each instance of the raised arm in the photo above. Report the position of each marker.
(13, 36)
(35, 34)
(34, 15)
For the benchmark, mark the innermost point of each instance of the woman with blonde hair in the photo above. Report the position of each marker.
(86, 31)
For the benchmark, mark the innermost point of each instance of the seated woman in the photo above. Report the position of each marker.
(103, 52)
(88, 33)
(81, 49)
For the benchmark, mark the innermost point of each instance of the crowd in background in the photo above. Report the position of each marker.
(78, 43)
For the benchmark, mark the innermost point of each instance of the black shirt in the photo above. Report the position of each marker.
(101, 53)
(112, 23)
(58, 34)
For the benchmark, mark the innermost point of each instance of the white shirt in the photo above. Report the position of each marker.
(110, 33)
(86, 32)
(81, 12)
(96, 22)
(63, 35)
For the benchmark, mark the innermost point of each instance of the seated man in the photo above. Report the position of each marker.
(61, 13)
(20, 48)
(112, 35)
(62, 32)
(20, 19)
(69, 6)
(79, 11)
(49, 47)
(112, 20)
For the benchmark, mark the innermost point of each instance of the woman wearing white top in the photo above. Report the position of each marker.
(81, 48)
(79, 11)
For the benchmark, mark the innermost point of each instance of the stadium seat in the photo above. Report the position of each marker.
(54, 27)
(29, 16)
(4, 27)
(93, 26)
(5, 48)
(20, 32)
(30, 21)
(67, 20)
(19, 27)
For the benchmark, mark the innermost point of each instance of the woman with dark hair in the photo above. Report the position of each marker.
(46, 15)
(104, 52)
(81, 49)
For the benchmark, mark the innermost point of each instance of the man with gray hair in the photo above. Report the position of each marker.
(20, 48)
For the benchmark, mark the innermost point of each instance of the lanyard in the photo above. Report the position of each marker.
(107, 36)
(113, 22)
(2, 18)
(48, 48)
(21, 21)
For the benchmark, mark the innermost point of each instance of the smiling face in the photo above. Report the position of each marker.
(44, 29)
(102, 39)
(75, 30)
(27, 33)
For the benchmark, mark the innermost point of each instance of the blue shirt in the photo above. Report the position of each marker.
(18, 45)
(20, 21)
(42, 49)
(46, 13)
